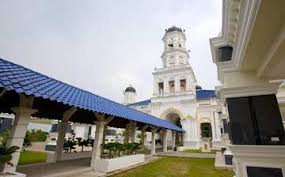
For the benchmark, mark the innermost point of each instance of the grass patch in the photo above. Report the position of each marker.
(178, 167)
(200, 151)
(29, 157)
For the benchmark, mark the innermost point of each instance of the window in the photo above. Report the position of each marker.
(179, 45)
(183, 84)
(53, 139)
(160, 87)
(171, 87)
(110, 132)
(170, 45)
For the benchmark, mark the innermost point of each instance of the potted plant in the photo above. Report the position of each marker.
(6, 156)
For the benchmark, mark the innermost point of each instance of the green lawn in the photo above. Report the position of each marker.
(29, 157)
(200, 151)
(178, 167)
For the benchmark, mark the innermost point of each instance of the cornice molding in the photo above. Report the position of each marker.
(237, 25)
(246, 21)
(250, 90)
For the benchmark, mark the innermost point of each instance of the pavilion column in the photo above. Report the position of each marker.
(127, 133)
(130, 132)
(164, 140)
(153, 131)
(143, 134)
(17, 135)
(61, 130)
(99, 134)
(173, 139)
(18, 131)
(133, 132)
(62, 126)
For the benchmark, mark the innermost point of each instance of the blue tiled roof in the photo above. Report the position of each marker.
(140, 103)
(205, 94)
(23, 80)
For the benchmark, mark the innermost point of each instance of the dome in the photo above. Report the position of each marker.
(130, 89)
(174, 28)
(198, 87)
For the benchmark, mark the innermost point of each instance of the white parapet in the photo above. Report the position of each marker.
(259, 156)
(108, 165)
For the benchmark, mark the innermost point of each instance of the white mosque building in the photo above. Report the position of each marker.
(177, 96)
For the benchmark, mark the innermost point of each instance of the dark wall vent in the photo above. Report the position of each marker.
(225, 53)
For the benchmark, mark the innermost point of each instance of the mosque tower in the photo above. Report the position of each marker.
(129, 95)
(176, 77)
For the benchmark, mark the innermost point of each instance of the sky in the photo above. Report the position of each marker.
(104, 46)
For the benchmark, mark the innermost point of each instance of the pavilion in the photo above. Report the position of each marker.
(27, 94)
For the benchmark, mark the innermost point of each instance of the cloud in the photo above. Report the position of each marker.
(103, 46)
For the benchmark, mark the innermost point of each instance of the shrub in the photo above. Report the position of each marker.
(3, 138)
(69, 145)
(115, 149)
(179, 143)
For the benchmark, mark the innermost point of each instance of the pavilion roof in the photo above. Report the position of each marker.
(53, 96)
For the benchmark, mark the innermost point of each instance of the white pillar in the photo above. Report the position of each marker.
(173, 139)
(177, 85)
(153, 141)
(166, 86)
(61, 130)
(134, 131)
(96, 151)
(130, 136)
(164, 140)
(17, 134)
(143, 134)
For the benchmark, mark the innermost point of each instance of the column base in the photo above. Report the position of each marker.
(191, 144)
(258, 160)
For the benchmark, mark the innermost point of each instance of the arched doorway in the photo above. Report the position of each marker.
(206, 130)
(176, 119)
(206, 135)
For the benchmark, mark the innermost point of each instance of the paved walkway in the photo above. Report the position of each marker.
(50, 169)
(186, 154)
(69, 168)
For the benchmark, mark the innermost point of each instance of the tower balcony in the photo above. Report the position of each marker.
(172, 68)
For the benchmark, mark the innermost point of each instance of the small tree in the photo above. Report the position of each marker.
(69, 145)
(82, 143)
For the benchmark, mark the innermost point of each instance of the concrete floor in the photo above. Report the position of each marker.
(49, 169)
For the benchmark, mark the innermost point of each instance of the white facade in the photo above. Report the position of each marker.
(174, 95)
